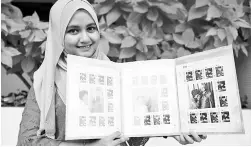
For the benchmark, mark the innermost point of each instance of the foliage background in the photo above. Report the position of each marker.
(133, 30)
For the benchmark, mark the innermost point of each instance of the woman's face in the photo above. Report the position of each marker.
(81, 36)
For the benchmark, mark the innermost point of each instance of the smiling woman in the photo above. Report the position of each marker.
(82, 35)
(73, 29)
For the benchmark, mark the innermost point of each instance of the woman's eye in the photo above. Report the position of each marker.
(92, 29)
(73, 31)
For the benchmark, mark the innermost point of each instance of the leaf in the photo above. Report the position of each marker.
(112, 37)
(152, 14)
(218, 42)
(127, 53)
(201, 3)
(213, 12)
(134, 17)
(2, 44)
(121, 30)
(43, 46)
(150, 41)
(181, 27)
(164, 7)
(159, 33)
(28, 49)
(181, 15)
(157, 50)
(42, 25)
(159, 21)
(128, 41)
(16, 60)
(10, 51)
(194, 44)
(4, 28)
(236, 49)
(126, 8)
(104, 46)
(140, 8)
(188, 35)
(168, 54)
(168, 37)
(15, 26)
(244, 50)
(25, 33)
(182, 52)
(221, 33)
(112, 16)
(6, 1)
(145, 48)
(211, 32)
(3, 17)
(103, 9)
(6, 59)
(140, 46)
(28, 64)
(233, 31)
(140, 56)
(146, 26)
(196, 12)
(245, 33)
(229, 36)
(178, 38)
(149, 54)
(169, 28)
(11, 11)
(242, 23)
(165, 45)
(34, 19)
(134, 30)
(113, 52)
(39, 35)
(102, 23)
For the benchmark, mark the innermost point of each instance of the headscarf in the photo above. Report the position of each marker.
(44, 78)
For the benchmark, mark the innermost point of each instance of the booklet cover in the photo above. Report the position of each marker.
(153, 98)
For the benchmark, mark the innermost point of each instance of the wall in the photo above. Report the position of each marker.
(10, 83)
(243, 68)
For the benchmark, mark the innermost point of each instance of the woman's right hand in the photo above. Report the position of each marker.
(112, 140)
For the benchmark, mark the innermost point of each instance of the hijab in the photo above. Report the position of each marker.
(53, 65)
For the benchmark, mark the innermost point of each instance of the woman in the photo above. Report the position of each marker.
(73, 29)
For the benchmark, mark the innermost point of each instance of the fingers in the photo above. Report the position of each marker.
(181, 139)
(188, 139)
(114, 135)
(195, 136)
(119, 141)
(177, 138)
(203, 136)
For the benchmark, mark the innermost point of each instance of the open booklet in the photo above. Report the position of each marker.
(153, 98)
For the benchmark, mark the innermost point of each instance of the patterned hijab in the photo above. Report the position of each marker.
(44, 78)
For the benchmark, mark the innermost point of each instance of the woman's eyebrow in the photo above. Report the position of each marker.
(91, 24)
(72, 26)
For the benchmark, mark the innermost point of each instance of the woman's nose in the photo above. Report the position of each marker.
(84, 37)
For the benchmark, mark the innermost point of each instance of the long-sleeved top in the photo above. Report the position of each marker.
(31, 119)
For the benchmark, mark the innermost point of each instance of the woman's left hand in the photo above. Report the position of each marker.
(189, 139)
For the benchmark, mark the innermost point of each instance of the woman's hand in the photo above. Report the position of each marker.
(189, 139)
(112, 140)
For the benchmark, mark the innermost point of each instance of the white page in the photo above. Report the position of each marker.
(149, 98)
(97, 113)
(212, 76)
